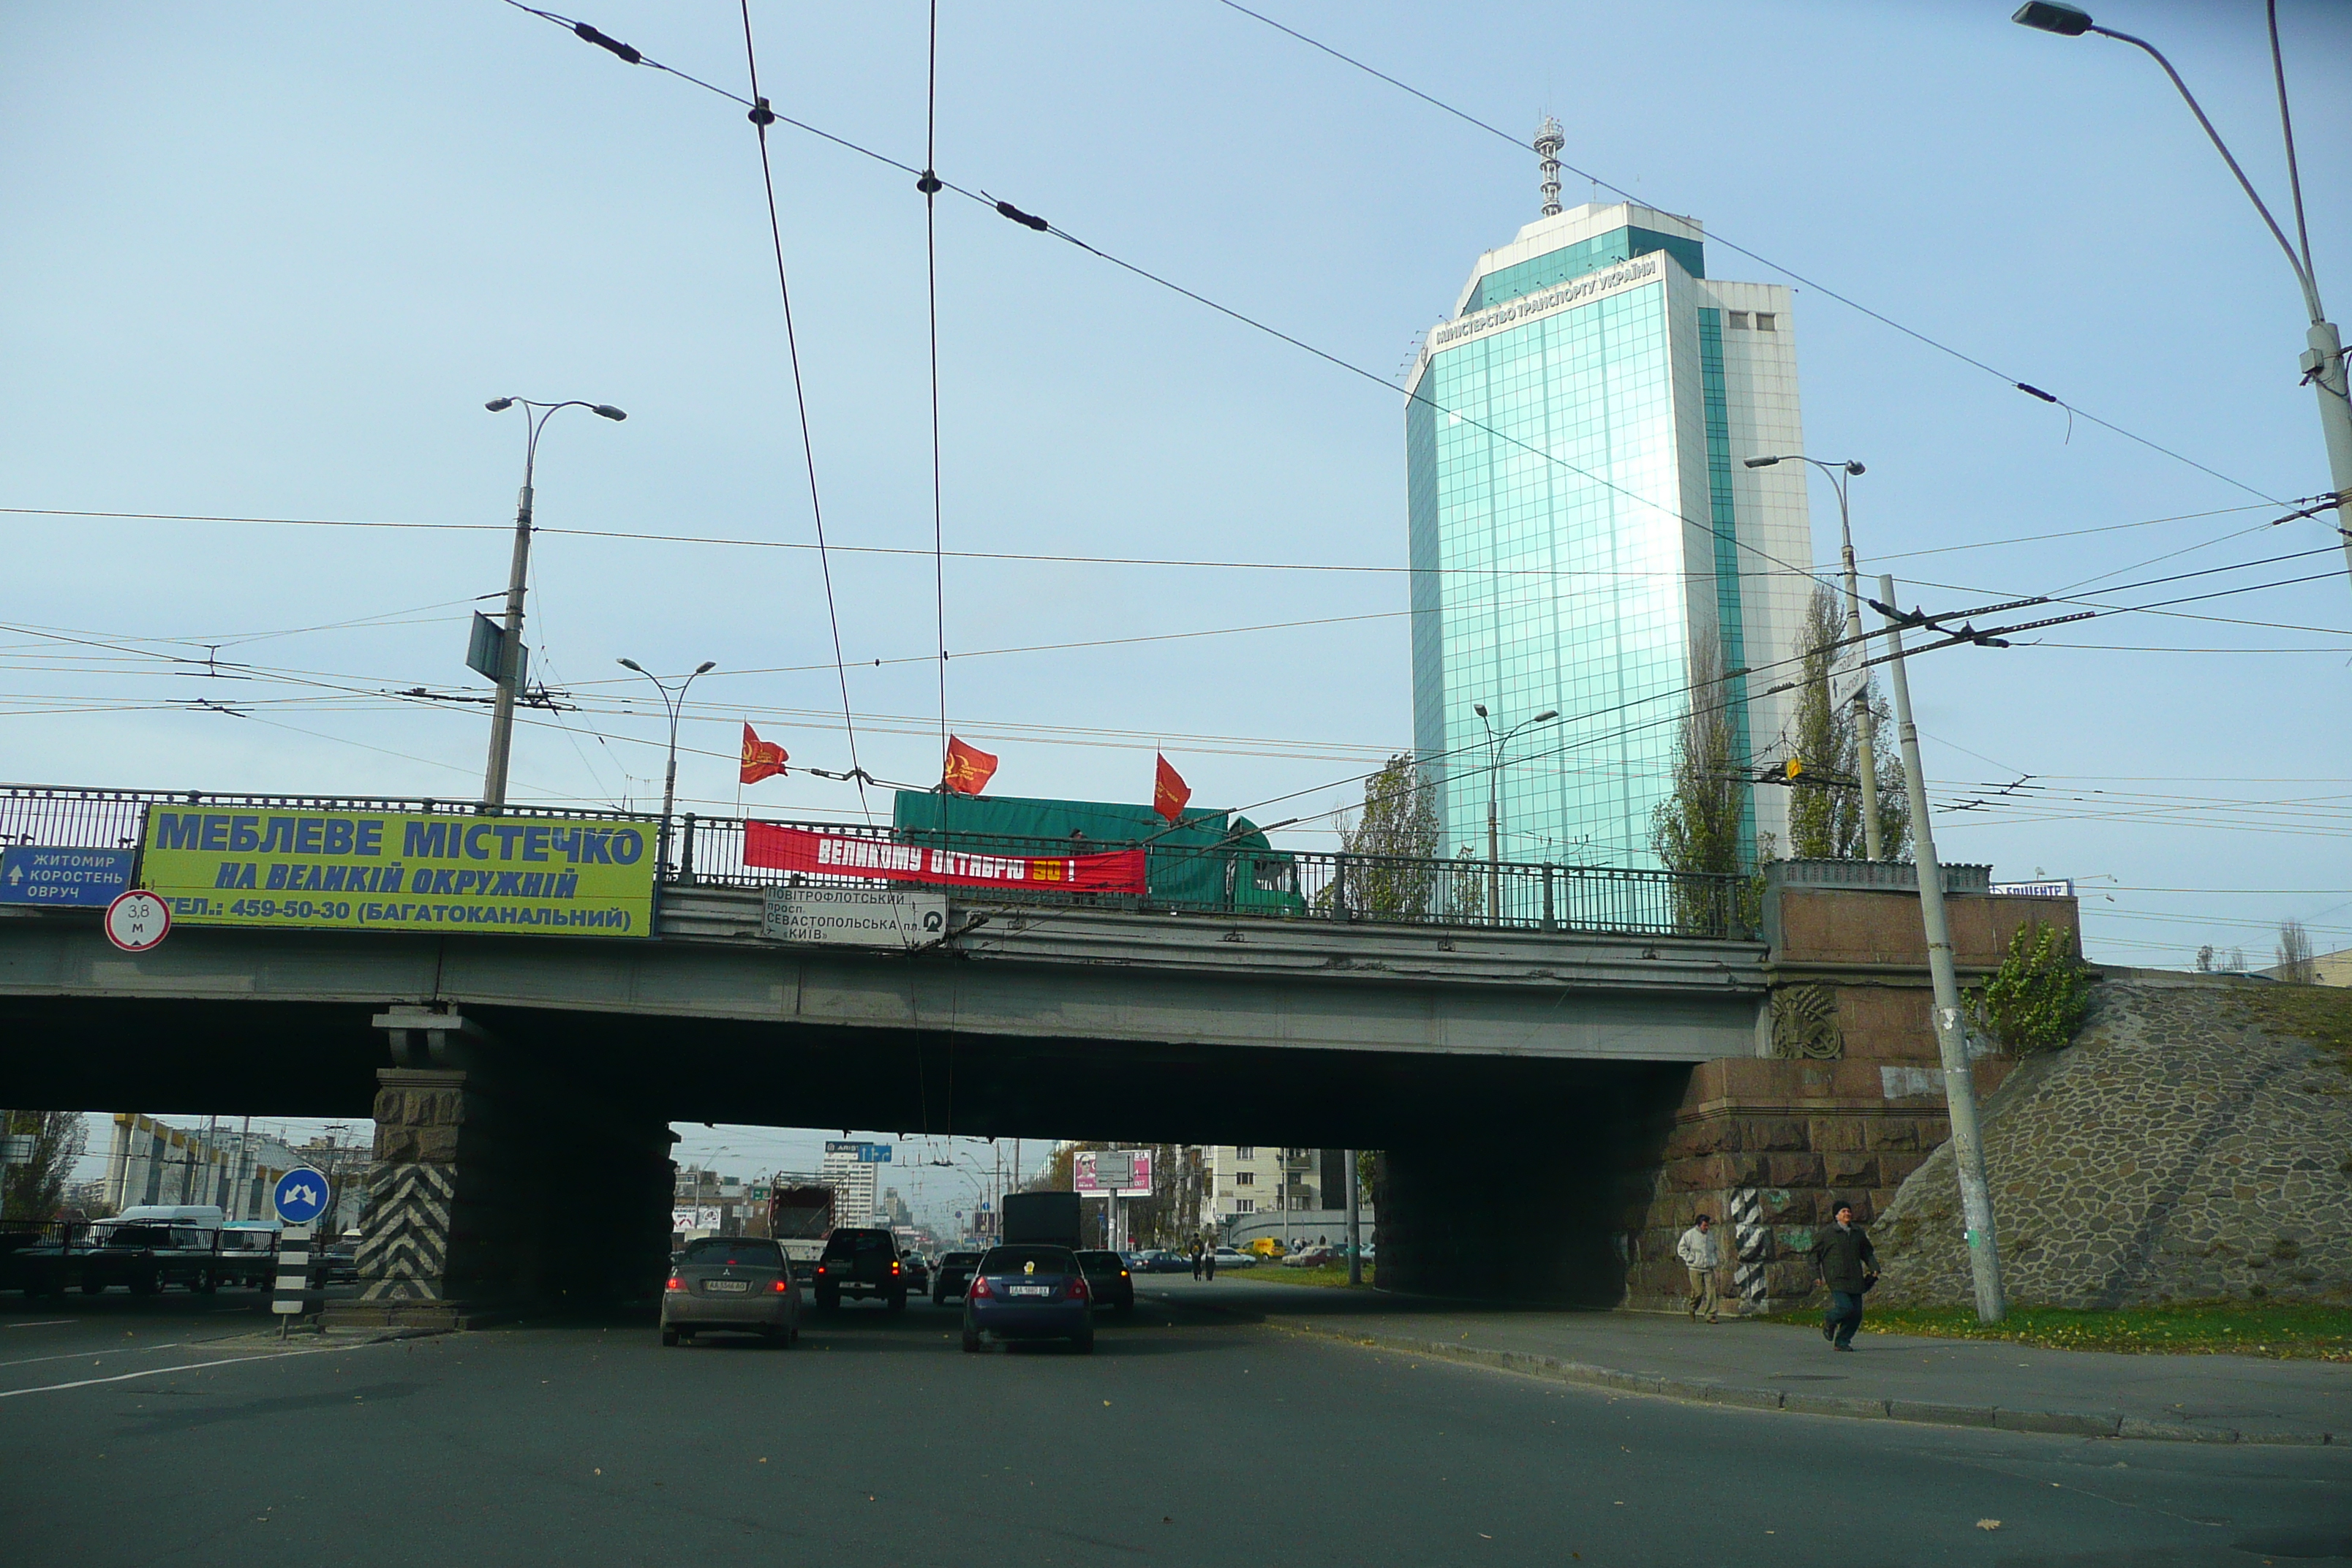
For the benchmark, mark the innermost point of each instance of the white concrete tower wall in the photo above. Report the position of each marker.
(1773, 515)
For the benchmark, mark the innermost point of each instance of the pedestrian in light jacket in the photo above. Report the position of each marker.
(1697, 1248)
(1849, 1267)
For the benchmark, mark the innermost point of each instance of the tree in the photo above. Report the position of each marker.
(1696, 829)
(35, 1182)
(2036, 999)
(2294, 965)
(1825, 817)
(1396, 831)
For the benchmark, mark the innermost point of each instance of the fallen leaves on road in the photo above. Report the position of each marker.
(1988, 1525)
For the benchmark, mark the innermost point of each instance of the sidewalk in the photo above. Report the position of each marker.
(1773, 1366)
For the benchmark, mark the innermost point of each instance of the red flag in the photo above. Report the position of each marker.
(968, 770)
(1170, 792)
(761, 759)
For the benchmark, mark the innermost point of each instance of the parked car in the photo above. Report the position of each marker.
(1228, 1257)
(1110, 1279)
(953, 1274)
(740, 1284)
(861, 1261)
(1159, 1260)
(1314, 1257)
(1028, 1293)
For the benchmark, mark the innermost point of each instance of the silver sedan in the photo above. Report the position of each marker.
(735, 1284)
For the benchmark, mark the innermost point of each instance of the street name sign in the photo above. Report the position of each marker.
(137, 920)
(2057, 887)
(867, 1153)
(63, 879)
(856, 917)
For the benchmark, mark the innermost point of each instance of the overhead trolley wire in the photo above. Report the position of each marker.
(765, 113)
(1714, 238)
(761, 118)
(929, 186)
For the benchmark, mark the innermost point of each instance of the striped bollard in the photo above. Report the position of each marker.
(293, 1291)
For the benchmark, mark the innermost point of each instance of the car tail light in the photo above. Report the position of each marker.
(980, 1289)
(1078, 1292)
(675, 1284)
(781, 1286)
(894, 1268)
(820, 1268)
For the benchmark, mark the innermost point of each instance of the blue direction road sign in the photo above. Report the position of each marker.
(867, 1153)
(301, 1197)
(63, 879)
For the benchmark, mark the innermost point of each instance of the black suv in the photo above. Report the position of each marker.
(861, 1262)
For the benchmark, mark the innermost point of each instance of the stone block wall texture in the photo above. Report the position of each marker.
(2177, 1151)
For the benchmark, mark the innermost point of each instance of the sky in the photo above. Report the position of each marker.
(269, 262)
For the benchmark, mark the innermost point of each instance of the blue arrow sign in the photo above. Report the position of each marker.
(301, 1195)
(63, 879)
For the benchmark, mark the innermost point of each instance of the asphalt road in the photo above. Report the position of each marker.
(167, 1431)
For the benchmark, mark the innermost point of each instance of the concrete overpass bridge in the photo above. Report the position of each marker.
(523, 1085)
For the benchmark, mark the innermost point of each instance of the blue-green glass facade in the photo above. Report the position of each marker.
(1576, 260)
(1541, 583)
(1575, 535)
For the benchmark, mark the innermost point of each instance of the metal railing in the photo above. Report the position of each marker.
(1228, 880)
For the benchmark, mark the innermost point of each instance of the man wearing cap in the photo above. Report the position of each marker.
(1848, 1264)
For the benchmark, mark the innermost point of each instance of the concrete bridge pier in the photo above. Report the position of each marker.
(499, 1192)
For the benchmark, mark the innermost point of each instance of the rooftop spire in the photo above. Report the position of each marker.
(1549, 141)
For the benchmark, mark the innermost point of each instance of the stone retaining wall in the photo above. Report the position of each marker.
(2177, 1151)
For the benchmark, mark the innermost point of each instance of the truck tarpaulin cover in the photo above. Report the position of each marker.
(780, 849)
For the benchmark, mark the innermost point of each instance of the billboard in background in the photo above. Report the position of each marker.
(1102, 1172)
(350, 870)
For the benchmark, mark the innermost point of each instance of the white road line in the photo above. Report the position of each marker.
(94, 1355)
(192, 1367)
(46, 1323)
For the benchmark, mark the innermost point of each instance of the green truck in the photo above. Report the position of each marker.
(1206, 860)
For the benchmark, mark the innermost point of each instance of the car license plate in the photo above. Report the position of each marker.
(1032, 1289)
(729, 1287)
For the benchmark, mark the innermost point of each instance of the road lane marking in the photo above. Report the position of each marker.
(94, 1355)
(46, 1323)
(192, 1367)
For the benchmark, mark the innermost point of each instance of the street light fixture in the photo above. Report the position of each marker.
(2323, 361)
(673, 703)
(1840, 474)
(535, 418)
(1494, 779)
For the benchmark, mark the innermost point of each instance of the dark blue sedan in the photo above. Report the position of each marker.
(1028, 1293)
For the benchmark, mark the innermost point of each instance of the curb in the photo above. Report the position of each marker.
(1704, 1391)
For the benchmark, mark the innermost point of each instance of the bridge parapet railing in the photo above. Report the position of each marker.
(1238, 880)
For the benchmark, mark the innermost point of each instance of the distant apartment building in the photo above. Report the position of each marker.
(151, 1161)
(1249, 1182)
(856, 1198)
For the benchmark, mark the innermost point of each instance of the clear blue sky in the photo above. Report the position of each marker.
(270, 261)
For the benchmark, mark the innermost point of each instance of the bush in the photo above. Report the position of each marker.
(2036, 999)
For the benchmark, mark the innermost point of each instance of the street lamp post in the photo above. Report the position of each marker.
(509, 675)
(2323, 360)
(1494, 783)
(1867, 752)
(673, 703)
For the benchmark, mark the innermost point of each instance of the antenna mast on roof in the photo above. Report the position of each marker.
(1549, 141)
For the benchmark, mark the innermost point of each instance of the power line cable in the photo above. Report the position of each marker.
(764, 114)
(1847, 301)
(929, 186)
(761, 117)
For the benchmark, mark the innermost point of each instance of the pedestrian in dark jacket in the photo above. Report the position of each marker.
(1848, 1264)
(1196, 1260)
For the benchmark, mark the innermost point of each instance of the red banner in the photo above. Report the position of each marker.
(778, 849)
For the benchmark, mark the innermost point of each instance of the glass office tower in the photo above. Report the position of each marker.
(1582, 525)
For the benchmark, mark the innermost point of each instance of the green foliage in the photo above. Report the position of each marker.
(2035, 1000)
(2281, 1330)
(35, 1182)
(1398, 829)
(1825, 816)
(1698, 828)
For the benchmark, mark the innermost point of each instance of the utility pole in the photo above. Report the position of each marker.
(1951, 1040)
(1355, 1222)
